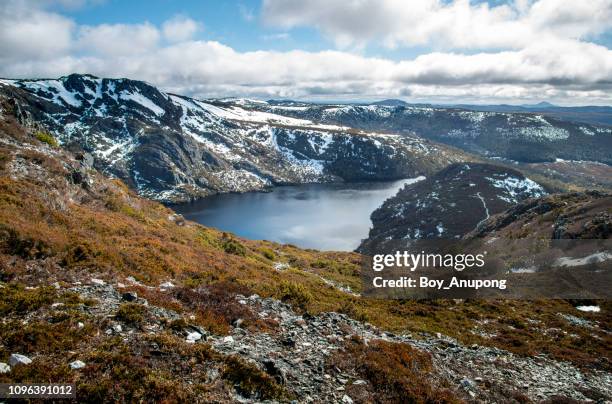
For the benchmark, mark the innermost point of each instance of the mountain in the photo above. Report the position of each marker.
(519, 136)
(541, 104)
(391, 103)
(173, 148)
(595, 115)
(447, 205)
(123, 298)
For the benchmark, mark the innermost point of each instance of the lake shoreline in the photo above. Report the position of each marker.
(325, 216)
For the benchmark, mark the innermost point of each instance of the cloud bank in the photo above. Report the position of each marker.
(519, 51)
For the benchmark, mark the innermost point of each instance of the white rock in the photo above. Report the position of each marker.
(594, 309)
(117, 328)
(132, 280)
(56, 305)
(80, 325)
(347, 400)
(193, 337)
(359, 382)
(77, 364)
(121, 285)
(19, 359)
(97, 281)
(166, 285)
(229, 339)
(4, 368)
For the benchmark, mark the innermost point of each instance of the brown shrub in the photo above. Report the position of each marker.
(250, 381)
(397, 373)
(215, 305)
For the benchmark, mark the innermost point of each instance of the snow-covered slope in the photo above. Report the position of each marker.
(526, 137)
(175, 148)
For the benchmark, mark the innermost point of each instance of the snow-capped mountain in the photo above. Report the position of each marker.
(447, 205)
(174, 148)
(524, 137)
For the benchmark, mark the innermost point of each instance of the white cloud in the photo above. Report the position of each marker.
(455, 24)
(180, 28)
(562, 69)
(118, 39)
(32, 33)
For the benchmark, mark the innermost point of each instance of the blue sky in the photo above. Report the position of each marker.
(234, 23)
(419, 50)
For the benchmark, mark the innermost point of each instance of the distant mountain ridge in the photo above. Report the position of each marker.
(592, 114)
(520, 136)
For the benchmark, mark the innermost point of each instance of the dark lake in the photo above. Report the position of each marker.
(321, 216)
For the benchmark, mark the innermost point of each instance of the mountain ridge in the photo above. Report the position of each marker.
(174, 148)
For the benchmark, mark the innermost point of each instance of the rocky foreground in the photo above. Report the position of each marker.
(304, 354)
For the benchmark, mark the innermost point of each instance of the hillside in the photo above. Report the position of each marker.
(578, 215)
(447, 205)
(173, 148)
(130, 302)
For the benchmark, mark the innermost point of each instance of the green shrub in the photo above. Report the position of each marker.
(232, 246)
(131, 313)
(294, 294)
(46, 138)
(269, 254)
(16, 299)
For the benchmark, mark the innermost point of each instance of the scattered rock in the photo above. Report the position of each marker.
(193, 337)
(133, 281)
(130, 296)
(77, 364)
(19, 359)
(346, 399)
(177, 218)
(4, 368)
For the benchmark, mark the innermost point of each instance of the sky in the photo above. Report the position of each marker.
(438, 51)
